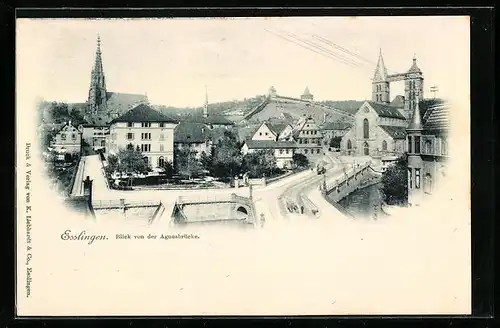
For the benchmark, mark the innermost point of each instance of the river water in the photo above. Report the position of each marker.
(364, 203)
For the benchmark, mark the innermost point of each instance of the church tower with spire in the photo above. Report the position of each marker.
(380, 83)
(414, 87)
(414, 136)
(97, 93)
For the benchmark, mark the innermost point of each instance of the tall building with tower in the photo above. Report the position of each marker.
(413, 81)
(97, 93)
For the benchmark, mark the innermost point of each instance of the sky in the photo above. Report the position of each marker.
(172, 60)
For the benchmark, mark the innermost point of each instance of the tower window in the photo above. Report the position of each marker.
(417, 145)
(409, 144)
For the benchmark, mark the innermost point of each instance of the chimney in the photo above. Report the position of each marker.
(87, 190)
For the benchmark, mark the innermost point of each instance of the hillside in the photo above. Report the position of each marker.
(350, 106)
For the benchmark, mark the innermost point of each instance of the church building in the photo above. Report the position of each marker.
(380, 125)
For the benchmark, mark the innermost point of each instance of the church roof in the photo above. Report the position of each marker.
(336, 126)
(143, 113)
(384, 110)
(398, 101)
(121, 102)
(396, 132)
(269, 144)
(191, 132)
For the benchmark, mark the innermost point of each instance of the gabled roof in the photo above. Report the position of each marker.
(384, 110)
(143, 113)
(396, 132)
(398, 101)
(276, 128)
(437, 118)
(269, 144)
(190, 132)
(66, 125)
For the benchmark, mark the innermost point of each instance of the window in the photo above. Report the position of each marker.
(287, 151)
(417, 145)
(409, 144)
(366, 129)
(417, 178)
(162, 125)
(317, 151)
(63, 136)
(384, 145)
(73, 136)
(366, 149)
(130, 136)
(305, 151)
(146, 147)
(266, 133)
(410, 184)
(146, 124)
(162, 137)
(161, 161)
(161, 147)
(428, 147)
(130, 124)
(281, 151)
(260, 133)
(349, 144)
(145, 136)
(103, 143)
(428, 183)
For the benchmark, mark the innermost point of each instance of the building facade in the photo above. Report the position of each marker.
(309, 138)
(283, 150)
(67, 140)
(378, 130)
(94, 135)
(194, 136)
(146, 128)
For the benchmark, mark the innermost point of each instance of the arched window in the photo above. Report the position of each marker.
(428, 183)
(366, 149)
(366, 129)
(349, 144)
(103, 143)
(161, 161)
(384, 145)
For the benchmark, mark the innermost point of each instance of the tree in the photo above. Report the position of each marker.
(206, 161)
(226, 156)
(132, 161)
(186, 163)
(168, 169)
(112, 164)
(394, 187)
(259, 163)
(300, 160)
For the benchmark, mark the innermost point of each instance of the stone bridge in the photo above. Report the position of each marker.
(232, 208)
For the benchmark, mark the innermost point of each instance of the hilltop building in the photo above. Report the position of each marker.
(68, 139)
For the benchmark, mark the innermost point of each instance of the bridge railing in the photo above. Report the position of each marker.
(119, 203)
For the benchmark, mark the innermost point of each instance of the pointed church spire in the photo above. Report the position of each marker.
(414, 67)
(97, 92)
(381, 70)
(416, 120)
(205, 106)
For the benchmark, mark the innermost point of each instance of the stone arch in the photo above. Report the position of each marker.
(242, 209)
(366, 129)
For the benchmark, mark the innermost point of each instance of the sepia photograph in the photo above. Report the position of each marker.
(243, 166)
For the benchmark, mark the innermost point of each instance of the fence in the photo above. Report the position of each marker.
(76, 183)
(121, 203)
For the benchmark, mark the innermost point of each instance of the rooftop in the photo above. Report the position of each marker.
(396, 132)
(143, 113)
(191, 132)
(384, 110)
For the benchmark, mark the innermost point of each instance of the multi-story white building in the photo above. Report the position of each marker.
(67, 140)
(146, 128)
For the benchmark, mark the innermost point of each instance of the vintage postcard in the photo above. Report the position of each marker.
(243, 166)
